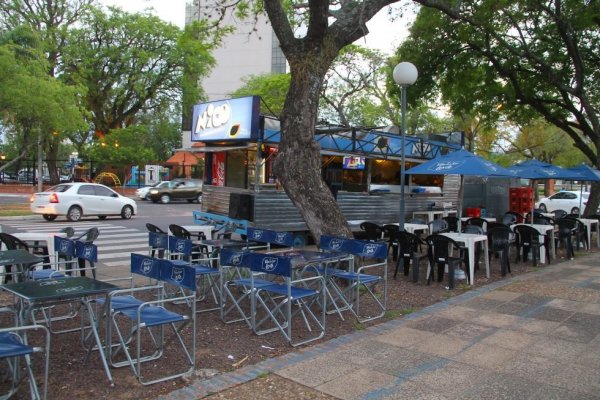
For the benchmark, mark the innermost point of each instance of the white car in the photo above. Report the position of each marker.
(568, 200)
(142, 193)
(78, 199)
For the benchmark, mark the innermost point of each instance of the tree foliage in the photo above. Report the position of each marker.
(272, 88)
(523, 59)
(130, 63)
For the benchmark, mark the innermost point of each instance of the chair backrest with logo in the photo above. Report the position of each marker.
(271, 237)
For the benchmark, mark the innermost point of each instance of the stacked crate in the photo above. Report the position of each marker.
(521, 199)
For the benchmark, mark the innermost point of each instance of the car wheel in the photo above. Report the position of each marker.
(145, 197)
(165, 199)
(126, 212)
(199, 198)
(74, 214)
(101, 216)
(543, 208)
(190, 200)
(49, 217)
(575, 210)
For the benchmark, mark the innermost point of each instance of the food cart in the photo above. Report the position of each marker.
(360, 166)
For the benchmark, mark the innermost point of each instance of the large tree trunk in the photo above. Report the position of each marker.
(298, 162)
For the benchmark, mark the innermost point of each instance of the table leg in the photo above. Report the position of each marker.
(471, 250)
(101, 349)
(487, 258)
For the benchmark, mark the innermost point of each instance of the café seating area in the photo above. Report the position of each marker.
(258, 281)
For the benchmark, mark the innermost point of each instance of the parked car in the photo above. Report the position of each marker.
(7, 177)
(568, 200)
(178, 189)
(75, 200)
(142, 192)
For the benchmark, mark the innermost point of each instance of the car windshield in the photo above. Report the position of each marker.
(59, 188)
(162, 184)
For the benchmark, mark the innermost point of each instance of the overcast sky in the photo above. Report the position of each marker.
(383, 34)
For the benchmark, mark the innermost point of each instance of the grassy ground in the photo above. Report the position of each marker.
(14, 210)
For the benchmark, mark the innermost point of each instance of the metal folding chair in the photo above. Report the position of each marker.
(153, 317)
(357, 283)
(13, 347)
(158, 242)
(181, 251)
(265, 238)
(141, 265)
(276, 305)
(236, 286)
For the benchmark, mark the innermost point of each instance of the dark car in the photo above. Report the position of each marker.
(179, 189)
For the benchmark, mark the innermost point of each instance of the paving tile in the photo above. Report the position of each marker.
(577, 378)
(452, 379)
(509, 339)
(410, 390)
(550, 392)
(485, 355)
(532, 366)
(575, 332)
(329, 368)
(532, 299)
(357, 384)
(496, 319)
(460, 313)
(482, 303)
(567, 305)
(557, 349)
(502, 386)
(590, 308)
(501, 295)
(513, 308)
(536, 326)
(591, 355)
(404, 337)
(373, 352)
(550, 314)
(441, 345)
(434, 324)
(470, 332)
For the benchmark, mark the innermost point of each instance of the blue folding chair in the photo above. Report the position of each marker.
(236, 285)
(118, 300)
(153, 317)
(182, 252)
(158, 242)
(349, 286)
(268, 238)
(281, 301)
(12, 348)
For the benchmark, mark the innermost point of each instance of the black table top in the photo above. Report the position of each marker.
(11, 257)
(58, 289)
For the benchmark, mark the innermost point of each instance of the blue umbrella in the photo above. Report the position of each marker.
(535, 169)
(588, 174)
(461, 162)
(539, 170)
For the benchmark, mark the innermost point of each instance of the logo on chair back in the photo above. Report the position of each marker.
(280, 237)
(370, 249)
(64, 246)
(257, 234)
(180, 246)
(269, 264)
(88, 251)
(336, 244)
(146, 266)
(236, 259)
(177, 274)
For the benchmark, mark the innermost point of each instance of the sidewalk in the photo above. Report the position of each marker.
(535, 336)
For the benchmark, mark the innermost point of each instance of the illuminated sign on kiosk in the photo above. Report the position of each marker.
(354, 162)
(233, 119)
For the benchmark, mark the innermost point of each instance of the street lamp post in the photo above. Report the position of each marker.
(405, 74)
